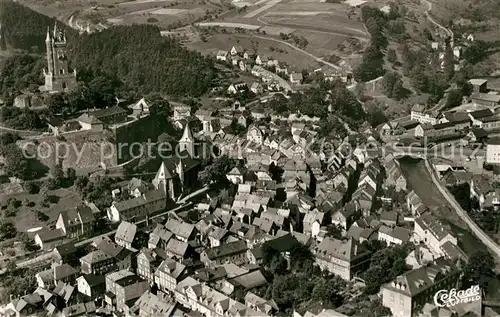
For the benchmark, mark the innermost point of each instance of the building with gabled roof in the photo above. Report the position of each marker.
(77, 222)
(433, 233)
(168, 274)
(342, 258)
(418, 287)
(125, 234)
(234, 252)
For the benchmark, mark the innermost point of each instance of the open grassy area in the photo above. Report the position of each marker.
(264, 47)
(28, 218)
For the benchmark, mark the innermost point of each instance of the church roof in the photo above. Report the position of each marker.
(187, 134)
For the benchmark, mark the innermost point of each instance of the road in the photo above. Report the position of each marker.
(293, 47)
(427, 14)
(478, 232)
(48, 255)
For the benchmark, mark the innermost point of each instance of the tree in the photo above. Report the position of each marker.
(479, 270)
(453, 99)
(391, 56)
(217, 171)
(392, 85)
(7, 230)
(334, 231)
(71, 174)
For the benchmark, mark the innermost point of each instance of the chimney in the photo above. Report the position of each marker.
(355, 249)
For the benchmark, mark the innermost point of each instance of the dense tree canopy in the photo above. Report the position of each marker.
(144, 60)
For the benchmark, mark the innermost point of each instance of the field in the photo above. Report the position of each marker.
(26, 217)
(267, 48)
(164, 13)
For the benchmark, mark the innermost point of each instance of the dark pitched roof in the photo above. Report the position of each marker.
(111, 111)
(283, 243)
(227, 249)
(65, 249)
(479, 133)
(481, 113)
(444, 125)
(94, 280)
(457, 117)
(63, 271)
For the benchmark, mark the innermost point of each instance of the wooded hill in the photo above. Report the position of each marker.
(138, 56)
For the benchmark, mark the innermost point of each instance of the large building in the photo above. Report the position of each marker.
(493, 151)
(58, 77)
(430, 231)
(342, 258)
(417, 287)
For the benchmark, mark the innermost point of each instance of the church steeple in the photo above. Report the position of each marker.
(186, 143)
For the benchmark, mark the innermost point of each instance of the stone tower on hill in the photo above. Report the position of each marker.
(58, 77)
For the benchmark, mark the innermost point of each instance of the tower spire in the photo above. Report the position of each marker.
(187, 135)
(47, 39)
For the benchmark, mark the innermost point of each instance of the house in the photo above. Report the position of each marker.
(385, 129)
(418, 286)
(432, 233)
(140, 108)
(477, 115)
(64, 253)
(125, 234)
(261, 60)
(77, 222)
(181, 111)
(254, 134)
(177, 249)
(259, 304)
(417, 114)
(397, 235)
(479, 85)
(111, 115)
(414, 203)
(65, 273)
(138, 208)
(342, 258)
(182, 231)
(91, 285)
(89, 122)
(148, 261)
(97, 262)
(490, 100)
(296, 78)
(46, 239)
(159, 237)
(235, 175)
(234, 252)
(493, 151)
(312, 222)
(150, 305)
(257, 88)
(168, 274)
(236, 88)
(476, 135)
(389, 218)
(236, 50)
(346, 216)
(423, 130)
(249, 54)
(45, 279)
(223, 55)
(490, 123)
(127, 288)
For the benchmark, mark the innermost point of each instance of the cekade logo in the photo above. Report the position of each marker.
(444, 298)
